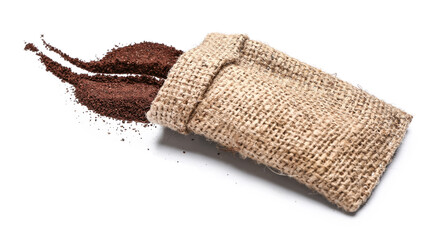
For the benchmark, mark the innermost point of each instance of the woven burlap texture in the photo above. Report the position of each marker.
(304, 123)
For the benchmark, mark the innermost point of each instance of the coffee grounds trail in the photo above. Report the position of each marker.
(142, 58)
(126, 98)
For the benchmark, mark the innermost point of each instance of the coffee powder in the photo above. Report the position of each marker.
(142, 58)
(121, 97)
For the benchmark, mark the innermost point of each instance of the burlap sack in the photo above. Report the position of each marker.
(307, 124)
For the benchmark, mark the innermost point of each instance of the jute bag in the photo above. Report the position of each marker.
(306, 124)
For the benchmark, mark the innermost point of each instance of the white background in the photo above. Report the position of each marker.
(63, 177)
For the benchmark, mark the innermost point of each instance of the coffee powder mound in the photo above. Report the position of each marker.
(122, 101)
(121, 97)
(141, 58)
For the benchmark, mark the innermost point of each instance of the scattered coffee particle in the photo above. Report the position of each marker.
(218, 153)
(122, 139)
(30, 47)
(184, 152)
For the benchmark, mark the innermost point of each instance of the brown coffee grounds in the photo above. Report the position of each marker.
(121, 97)
(142, 58)
(31, 47)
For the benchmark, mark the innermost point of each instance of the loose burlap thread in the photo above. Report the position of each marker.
(309, 125)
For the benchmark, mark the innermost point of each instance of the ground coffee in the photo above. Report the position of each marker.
(120, 97)
(142, 58)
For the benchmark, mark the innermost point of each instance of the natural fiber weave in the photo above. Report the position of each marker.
(307, 124)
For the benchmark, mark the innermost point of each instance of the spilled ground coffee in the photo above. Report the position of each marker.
(120, 97)
(142, 58)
